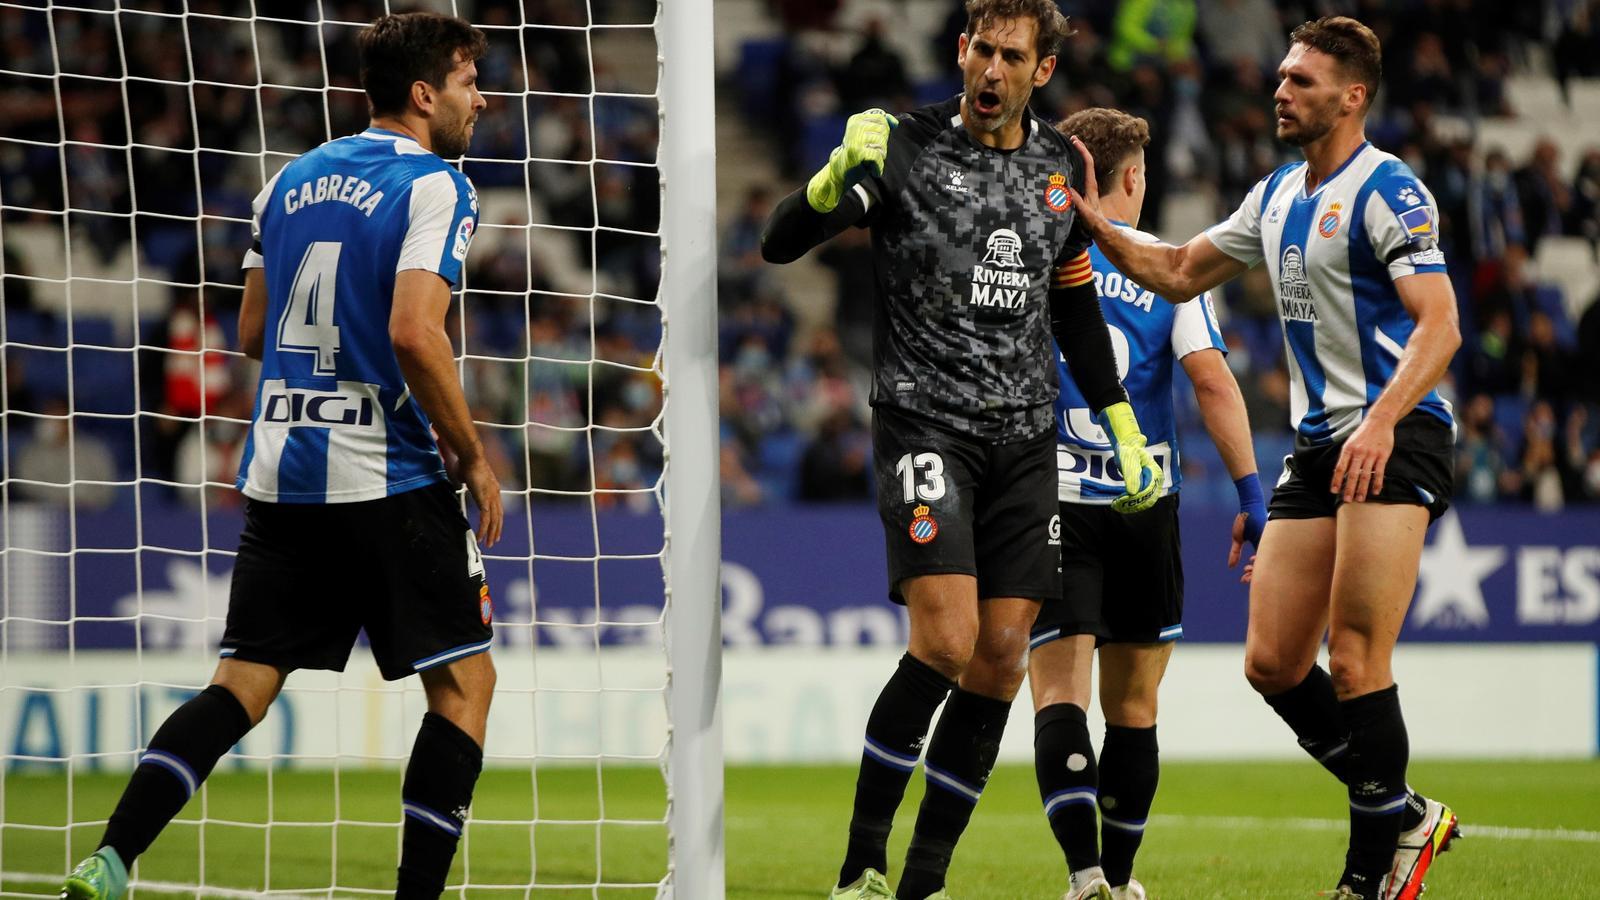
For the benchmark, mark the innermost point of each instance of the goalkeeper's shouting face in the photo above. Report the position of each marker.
(1001, 64)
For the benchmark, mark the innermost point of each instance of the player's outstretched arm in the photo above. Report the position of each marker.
(826, 205)
(1431, 301)
(416, 327)
(253, 313)
(1178, 274)
(1223, 411)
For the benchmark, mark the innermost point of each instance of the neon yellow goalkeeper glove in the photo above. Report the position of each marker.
(865, 144)
(1140, 474)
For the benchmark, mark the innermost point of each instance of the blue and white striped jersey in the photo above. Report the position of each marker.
(1148, 334)
(334, 421)
(1334, 257)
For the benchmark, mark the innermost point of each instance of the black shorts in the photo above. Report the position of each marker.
(952, 503)
(1420, 472)
(310, 576)
(1121, 576)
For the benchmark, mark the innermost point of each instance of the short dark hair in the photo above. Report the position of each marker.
(1348, 41)
(398, 51)
(1111, 135)
(1053, 26)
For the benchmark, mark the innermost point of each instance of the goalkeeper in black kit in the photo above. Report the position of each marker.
(980, 261)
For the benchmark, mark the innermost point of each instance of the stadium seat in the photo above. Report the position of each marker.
(781, 451)
(1549, 299)
(1509, 411)
(1569, 264)
(819, 136)
(760, 60)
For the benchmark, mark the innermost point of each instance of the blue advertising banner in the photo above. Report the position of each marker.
(805, 576)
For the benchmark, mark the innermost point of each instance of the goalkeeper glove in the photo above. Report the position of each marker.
(1141, 477)
(865, 144)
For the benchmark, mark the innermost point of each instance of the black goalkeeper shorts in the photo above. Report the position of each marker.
(310, 576)
(1121, 576)
(954, 504)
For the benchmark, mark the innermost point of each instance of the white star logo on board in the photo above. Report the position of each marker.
(1450, 579)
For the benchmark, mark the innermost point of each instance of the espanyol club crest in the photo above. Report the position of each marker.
(485, 605)
(923, 527)
(1328, 225)
(1055, 193)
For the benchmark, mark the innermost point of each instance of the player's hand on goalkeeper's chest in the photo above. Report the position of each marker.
(861, 153)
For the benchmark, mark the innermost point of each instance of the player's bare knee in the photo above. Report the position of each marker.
(1130, 712)
(947, 655)
(1348, 671)
(254, 685)
(1270, 674)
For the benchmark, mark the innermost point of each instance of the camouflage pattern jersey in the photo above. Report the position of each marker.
(968, 240)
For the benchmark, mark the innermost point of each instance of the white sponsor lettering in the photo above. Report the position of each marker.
(1556, 587)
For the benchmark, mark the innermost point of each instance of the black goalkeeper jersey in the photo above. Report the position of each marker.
(968, 239)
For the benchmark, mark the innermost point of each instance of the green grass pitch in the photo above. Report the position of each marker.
(1219, 830)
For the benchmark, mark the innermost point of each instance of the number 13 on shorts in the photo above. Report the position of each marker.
(921, 476)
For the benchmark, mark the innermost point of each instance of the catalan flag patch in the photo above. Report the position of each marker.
(1076, 271)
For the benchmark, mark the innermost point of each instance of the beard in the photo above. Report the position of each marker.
(1306, 131)
(451, 139)
(1008, 110)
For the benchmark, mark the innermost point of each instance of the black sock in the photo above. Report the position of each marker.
(895, 731)
(1377, 765)
(180, 756)
(1312, 710)
(1130, 766)
(960, 757)
(1064, 764)
(444, 766)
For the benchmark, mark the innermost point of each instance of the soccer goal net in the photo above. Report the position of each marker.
(133, 135)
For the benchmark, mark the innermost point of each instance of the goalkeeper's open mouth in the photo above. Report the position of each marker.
(986, 103)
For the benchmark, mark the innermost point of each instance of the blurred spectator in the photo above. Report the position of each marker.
(1576, 53)
(1499, 221)
(209, 454)
(1490, 359)
(1480, 453)
(1152, 31)
(1547, 368)
(1586, 197)
(835, 464)
(1539, 471)
(1544, 193)
(740, 268)
(875, 75)
(1588, 375)
(1241, 31)
(64, 463)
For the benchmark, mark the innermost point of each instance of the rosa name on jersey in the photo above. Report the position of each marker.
(997, 281)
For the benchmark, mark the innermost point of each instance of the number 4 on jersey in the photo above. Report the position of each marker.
(307, 322)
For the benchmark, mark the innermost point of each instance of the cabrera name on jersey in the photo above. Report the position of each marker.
(1148, 334)
(1334, 256)
(334, 421)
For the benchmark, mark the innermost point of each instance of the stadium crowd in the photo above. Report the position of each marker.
(1525, 385)
(551, 348)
